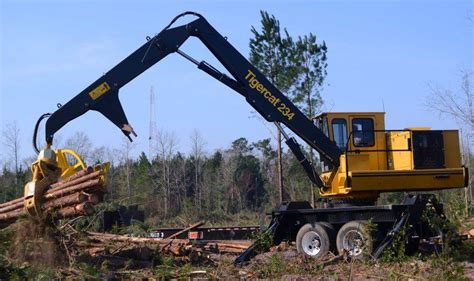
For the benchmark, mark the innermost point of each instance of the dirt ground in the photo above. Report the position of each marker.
(146, 262)
(286, 264)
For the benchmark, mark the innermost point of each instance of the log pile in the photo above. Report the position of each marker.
(71, 197)
(77, 195)
(100, 243)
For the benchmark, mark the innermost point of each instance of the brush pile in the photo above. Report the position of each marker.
(71, 197)
(98, 243)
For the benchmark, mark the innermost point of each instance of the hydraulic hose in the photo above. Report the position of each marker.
(35, 131)
(182, 15)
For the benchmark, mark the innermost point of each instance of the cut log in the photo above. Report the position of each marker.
(176, 247)
(12, 215)
(173, 236)
(71, 189)
(12, 207)
(74, 196)
(12, 202)
(72, 199)
(77, 175)
(94, 199)
(83, 209)
(62, 185)
(61, 195)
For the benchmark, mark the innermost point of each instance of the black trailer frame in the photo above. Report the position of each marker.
(388, 220)
(209, 233)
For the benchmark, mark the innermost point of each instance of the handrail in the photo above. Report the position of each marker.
(357, 151)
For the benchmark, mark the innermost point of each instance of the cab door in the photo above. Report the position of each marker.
(362, 147)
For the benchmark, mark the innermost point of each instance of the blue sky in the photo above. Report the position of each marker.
(379, 52)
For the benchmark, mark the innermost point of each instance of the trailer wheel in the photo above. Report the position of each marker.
(313, 241)
(354, 239)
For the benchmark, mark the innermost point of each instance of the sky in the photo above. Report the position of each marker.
(382, 56)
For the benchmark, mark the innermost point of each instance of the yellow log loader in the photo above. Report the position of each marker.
(360, 157)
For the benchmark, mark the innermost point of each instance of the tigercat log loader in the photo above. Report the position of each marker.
(360, 157)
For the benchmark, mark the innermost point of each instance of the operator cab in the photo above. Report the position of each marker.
(355, 131)
(377, 160)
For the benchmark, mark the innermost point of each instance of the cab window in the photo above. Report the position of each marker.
(363, 132)
(339, 131)
(322, 124)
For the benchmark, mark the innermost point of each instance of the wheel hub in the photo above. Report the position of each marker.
(311, 243)
(353, 242)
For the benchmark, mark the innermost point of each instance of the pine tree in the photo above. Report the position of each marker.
(272, 52)
(312, 64)
(311, 59)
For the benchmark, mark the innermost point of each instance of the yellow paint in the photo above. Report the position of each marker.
(69, 162)
(452, 151)
(272, 99)
(377, 168)
(399, 160)
(99, 91)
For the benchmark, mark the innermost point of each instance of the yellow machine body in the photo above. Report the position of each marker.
(50, 167)
(69, 162)
(376, 160)
(45, 172)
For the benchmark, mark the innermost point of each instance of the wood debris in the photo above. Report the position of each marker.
(98, 243)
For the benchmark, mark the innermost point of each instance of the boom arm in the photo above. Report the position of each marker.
(263, 96)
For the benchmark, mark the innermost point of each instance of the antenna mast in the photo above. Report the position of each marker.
(152, 129)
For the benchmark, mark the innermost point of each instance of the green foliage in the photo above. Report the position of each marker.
(395, 252)
(89, 271)
(135, 229)
(311, 61)
(391, 198)
(296, 179)
(264, 146)
(454, 206)
(241, 146)
(5, 241)
(165, 269)
(271, 52)
(370, 227)
(451, 248)
(262, 241)
(275, 267)
(12, 183)
(298, 67)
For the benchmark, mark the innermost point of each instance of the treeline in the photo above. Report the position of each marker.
(197, 184)
(224, 182)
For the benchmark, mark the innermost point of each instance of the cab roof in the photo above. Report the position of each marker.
(350, 113)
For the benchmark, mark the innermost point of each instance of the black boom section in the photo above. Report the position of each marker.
(102, 95)
(262, 95)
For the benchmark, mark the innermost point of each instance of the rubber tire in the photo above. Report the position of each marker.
(361, 227)
(321, 231)
(331, 231)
